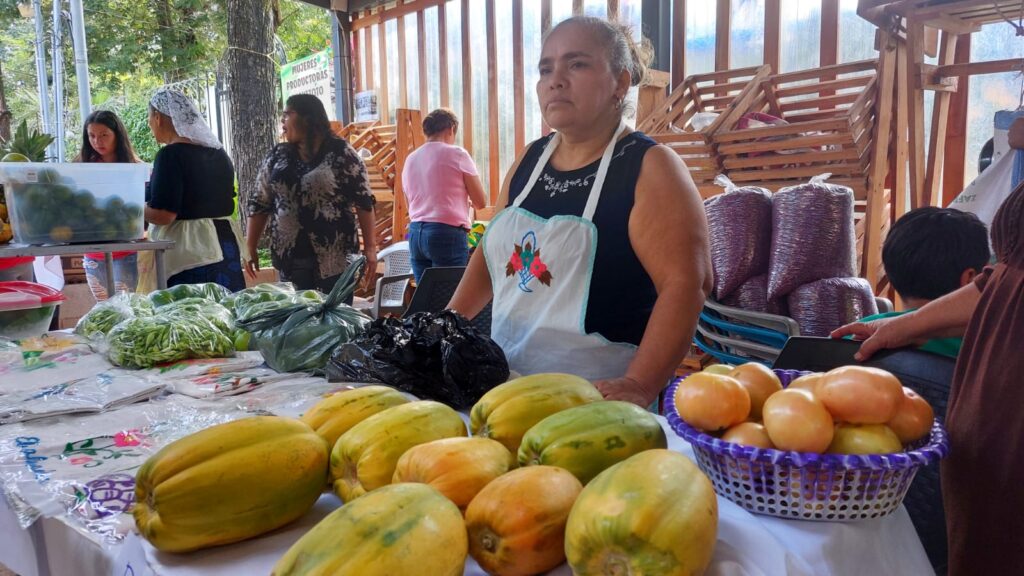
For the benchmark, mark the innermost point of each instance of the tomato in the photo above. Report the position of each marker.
(760, 383)
(719, 369)
(796, 420)
(914, 417)
(864, 439)
(748, 434)
(807, 382)
(712, 401)
(860, 395)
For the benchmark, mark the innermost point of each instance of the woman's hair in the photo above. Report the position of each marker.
(123, 147)
(311, 111)
(624, 53)
(440, 120)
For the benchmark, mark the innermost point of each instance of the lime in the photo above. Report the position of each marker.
(15, 157)
(242, 341)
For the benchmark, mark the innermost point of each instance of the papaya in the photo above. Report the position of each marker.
(653, 513)
(589, 438)
(229, 482)
(336, 414)
(365, 457)
(457, 467)
(508, 410)
(516, 524)
(396, 530)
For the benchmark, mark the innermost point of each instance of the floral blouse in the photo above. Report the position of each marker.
(311, 205)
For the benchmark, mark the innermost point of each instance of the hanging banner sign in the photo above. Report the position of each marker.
(366, 106)
(311, 75)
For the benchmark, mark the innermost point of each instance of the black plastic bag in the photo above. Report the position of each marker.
(437, 356)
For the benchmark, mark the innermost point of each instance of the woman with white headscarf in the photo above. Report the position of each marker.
(191, 196)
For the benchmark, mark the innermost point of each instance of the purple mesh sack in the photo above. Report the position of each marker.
(813, 237)
(824, 305)
(739, 227)
(752, 295)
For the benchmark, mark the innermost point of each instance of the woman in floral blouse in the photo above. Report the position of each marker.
(309, 186)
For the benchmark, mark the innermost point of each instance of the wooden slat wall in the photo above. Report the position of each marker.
(467, 87)
(368, 52)
(382, 94)
(518, 76)
(545, 27)
(722, 26)
(772, 31)
(577, 7)
(492, 99)
(679, 42)
(830, 32)
(613, 9)
(421, 37)
(403, 73)
(442, 54)
(956, 132)
(356, 62)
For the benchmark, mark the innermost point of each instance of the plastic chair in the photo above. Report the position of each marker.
(735, 336)
(389, 295)
(930, 376)
(435, 290)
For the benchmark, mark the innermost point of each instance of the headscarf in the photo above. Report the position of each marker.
(185, 117)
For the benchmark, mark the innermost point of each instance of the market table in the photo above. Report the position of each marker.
(157, 246)
(747, 545)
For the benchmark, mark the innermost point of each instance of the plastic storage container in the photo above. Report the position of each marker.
(26, 309)
(75, 203)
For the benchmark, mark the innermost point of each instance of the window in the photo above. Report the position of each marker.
(856, 35)
(800, 42)
(700, 37)
(746, 37)
(430, 44)
(412, 62)
(453, 23)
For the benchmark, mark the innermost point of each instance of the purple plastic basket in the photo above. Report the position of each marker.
(803, 485)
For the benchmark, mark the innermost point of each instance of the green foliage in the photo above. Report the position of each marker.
(30, 143)
(135, 117)
(304, 29)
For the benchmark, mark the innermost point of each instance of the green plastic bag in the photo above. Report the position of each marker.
(300, 337)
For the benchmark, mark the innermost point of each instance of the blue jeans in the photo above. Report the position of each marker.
(126, 275)
(432, 244)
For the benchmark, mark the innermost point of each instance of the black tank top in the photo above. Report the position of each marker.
(622, 295)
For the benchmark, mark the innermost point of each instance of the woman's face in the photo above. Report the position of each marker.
(102, 139)
(576, 85)
(292, 127)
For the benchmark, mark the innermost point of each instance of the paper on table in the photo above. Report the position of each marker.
(104, 391)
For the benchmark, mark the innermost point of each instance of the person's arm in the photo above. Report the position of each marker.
(475, 188)
(368, 226)
(254, 228)
(668, 232)
(259, 207)
(474, 290)
(166, 188)
(944, 317)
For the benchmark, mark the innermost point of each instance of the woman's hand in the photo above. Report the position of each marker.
(252, 267)
(626, 389)
(370, 271)
(878, 335)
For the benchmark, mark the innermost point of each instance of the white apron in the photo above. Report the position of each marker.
(541, 271)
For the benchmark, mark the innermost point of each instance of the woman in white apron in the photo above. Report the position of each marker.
(191, 196)
(598, 265)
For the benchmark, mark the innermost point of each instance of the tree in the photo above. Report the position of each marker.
(5, 113)
(252, 80)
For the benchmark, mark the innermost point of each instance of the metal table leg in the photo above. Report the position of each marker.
(161, 273)
(108, 259)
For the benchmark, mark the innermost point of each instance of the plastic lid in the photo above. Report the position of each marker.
(20, 295)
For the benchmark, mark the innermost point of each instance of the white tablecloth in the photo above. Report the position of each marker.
(747, 545)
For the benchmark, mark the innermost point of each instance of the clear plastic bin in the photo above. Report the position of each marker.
(26, 309)
(53, 203)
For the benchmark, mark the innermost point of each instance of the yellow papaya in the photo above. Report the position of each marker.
(653, 513)
(365, 457)
(336, 414)
(457, 467)
(402, 529)
(589, 438)
(508, 410)
(229, 482)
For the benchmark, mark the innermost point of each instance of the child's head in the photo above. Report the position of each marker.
(930, 252)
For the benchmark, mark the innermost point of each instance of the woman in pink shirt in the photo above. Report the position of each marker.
(440, 180)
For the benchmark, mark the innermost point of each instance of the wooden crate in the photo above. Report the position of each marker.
(830, 114)
(727, 93)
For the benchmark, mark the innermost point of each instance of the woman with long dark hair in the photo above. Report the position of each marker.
(313, 190)
(105, 139)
